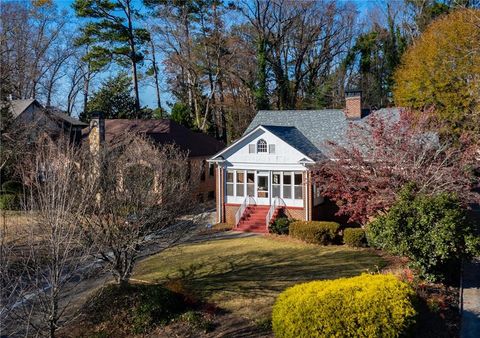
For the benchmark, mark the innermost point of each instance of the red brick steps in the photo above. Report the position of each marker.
(253, 219)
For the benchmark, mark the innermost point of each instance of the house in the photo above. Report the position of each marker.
(268, 170)
(199, 146)
(31, 114)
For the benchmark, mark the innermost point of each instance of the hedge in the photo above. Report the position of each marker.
(315, 232)
(362, 306)
(354, 237)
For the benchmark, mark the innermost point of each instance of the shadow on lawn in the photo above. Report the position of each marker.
(266, 273)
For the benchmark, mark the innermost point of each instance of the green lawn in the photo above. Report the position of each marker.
(244, 275)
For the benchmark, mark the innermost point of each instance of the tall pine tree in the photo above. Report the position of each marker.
(112, 32)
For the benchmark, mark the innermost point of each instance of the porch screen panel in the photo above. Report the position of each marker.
(240, 183)
(230, 174)
(276, 184)
(250, 183)
(287, 185)
(298, 187)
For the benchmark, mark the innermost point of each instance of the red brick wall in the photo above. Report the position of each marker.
(230, 210)
(203, 187)
(353, 107)
(296, 213)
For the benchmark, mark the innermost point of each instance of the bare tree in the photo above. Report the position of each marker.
(142, 188)
(51, 259)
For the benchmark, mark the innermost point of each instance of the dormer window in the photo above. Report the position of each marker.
(262, 146)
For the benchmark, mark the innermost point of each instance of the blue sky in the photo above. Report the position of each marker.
(147, 92)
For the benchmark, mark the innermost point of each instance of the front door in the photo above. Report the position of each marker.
(263, 193)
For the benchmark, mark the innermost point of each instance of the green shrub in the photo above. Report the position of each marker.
(354, 237)
(12, 187)
(134, 308)
(315, 232)
(433, 231)
(8, 202)
(362, 306)
(280, 226)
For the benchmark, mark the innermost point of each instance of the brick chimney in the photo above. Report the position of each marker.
(353, 104)
(97, 131)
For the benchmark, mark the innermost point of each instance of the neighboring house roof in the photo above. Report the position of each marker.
(70, 120)
(164, 132)
(309, 130)
(19, 106)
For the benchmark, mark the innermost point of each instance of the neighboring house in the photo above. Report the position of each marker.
(199, 146)
(31, 114)
(267, 170)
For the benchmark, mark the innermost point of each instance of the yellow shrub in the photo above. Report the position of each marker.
(363, 306)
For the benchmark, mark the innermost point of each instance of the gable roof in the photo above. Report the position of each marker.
(309, 130)
(19, 106)
(164, 132)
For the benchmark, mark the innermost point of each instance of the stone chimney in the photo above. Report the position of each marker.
(353, 104)
(96, 137)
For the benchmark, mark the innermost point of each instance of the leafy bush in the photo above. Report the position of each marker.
(8, 202)
(280, 226)
(433, 231)
(354, 237)
(314, 231)
(362, 306)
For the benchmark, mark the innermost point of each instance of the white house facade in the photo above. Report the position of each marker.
(269, 167)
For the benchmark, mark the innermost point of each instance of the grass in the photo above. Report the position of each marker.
(244, 275)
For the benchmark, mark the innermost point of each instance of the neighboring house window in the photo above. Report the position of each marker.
(240, 183)
(287, 185)
(250, 183)
(298, 188)
(276, 184)
(261, 146)
(202, 170)
(230, 183)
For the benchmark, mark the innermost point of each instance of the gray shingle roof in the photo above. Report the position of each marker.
(19, 106)
(309, 130)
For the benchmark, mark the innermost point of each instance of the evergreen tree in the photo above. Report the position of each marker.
(114, 99)
(112, 33)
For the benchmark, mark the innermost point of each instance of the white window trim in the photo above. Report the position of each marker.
(264, 143)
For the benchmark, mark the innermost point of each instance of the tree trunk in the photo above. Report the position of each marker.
(133, 58)
(86, 85)
(155, 75)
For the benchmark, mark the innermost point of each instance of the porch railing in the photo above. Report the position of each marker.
(246, 202)
(277, 202)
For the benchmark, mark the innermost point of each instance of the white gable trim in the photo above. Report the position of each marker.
(214, 160)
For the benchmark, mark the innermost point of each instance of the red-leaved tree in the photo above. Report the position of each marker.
(385, 151)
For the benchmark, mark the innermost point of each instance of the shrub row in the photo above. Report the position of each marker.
(315, 232)
(362, 306)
